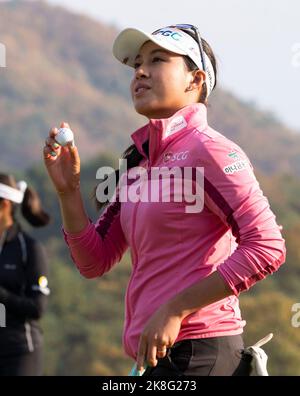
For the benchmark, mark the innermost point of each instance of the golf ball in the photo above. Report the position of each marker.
(64, 136)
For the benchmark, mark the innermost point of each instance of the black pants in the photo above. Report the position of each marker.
(29, 363)
(204, 357)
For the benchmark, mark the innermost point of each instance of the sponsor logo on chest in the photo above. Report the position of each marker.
(9, 266)
(172, 157)
(176, 125)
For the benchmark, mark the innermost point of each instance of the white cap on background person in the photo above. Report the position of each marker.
(13, 194)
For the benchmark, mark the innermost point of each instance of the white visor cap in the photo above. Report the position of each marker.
(13, 194)
(128, 43)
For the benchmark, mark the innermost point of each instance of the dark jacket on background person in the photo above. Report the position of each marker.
(23, 291)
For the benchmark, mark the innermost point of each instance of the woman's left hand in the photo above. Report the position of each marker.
(159, 334)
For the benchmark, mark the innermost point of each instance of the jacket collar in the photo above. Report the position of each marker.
(162, 131)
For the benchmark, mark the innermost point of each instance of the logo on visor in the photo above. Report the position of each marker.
(168, 33)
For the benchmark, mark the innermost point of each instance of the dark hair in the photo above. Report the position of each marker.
(132, 154)
(191, 65)
(30, 207)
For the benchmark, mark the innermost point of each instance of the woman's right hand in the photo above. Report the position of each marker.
(62, 163)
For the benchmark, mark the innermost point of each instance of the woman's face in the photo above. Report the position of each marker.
(2, 209)
(5, 209)
(160, 82)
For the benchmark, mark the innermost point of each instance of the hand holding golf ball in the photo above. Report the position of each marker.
(62, 159)
(65, 136)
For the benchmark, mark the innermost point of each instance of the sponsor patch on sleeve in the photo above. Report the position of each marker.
(238, 165)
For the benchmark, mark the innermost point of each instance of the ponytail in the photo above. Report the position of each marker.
(32, 210)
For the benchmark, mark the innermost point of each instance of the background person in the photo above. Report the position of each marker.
(23, 280)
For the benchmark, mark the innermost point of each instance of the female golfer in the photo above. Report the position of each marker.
(190, 261)
(23, 280)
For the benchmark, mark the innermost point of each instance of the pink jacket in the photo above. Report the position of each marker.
(235, 233)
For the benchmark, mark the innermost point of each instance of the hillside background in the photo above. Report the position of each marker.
(60, 68)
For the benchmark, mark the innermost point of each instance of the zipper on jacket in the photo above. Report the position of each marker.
(2, 240)
(29, 337)
(135, 262)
